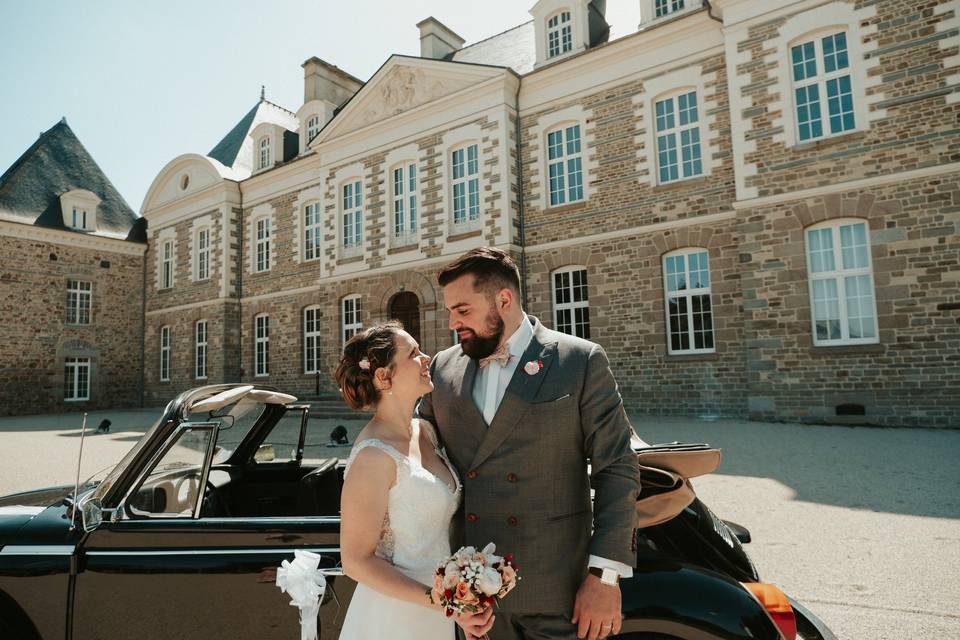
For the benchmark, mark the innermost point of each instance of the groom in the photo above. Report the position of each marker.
(522, 410)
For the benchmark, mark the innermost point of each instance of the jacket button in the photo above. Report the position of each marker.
(471, 517)
(512, 521)
(471, 475)
(511, 477)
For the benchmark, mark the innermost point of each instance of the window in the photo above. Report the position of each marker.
(201, 350)
(841, 284)
(559, 34)
(665, 7)
(164, 354)
(261, 345)
(352, 229)
(262, 226)
(466, 185)
(313, 127)
(405, 201)
(79, 218)
(689, 311)
(264, 152)
(311, 340)
(76, 379)
(352, 322)
(203, 254)
(564, 165)
(677, 126)
(571, 306)
(311, 231)
(166, 265)
(821, 85)
(79, 296)
(179, 466)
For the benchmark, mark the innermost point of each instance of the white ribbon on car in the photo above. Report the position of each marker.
(305, 583)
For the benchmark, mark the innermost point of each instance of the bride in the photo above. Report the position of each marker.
(399, 495)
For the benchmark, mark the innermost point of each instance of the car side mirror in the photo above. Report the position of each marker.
(265, 453)
(92, 515)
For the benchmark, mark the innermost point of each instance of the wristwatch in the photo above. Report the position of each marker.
(607, 576)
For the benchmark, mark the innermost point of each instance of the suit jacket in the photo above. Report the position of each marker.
(526, 485)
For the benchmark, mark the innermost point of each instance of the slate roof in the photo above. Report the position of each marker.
(58, 162)
(235, 150)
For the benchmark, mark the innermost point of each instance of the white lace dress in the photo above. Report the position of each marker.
(414, 538)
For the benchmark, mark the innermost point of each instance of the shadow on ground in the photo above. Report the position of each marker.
(906, 471)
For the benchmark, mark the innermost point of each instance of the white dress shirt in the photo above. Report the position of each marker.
(489, 388)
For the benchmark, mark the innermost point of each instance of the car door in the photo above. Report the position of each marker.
(163, 572)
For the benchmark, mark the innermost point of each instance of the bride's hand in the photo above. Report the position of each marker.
(476, 625)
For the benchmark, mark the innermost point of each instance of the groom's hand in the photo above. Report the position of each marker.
(476, 625)
(596, 611)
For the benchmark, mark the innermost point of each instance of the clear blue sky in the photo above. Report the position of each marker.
(143, 81)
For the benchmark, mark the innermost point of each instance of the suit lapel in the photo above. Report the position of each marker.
(468, 421)
(521, 390)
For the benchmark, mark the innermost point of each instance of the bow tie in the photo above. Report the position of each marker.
(501, 355)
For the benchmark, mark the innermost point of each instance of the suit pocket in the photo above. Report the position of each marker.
(562, 400)
(568, 516)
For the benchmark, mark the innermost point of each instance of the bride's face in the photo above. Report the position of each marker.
(410, 372)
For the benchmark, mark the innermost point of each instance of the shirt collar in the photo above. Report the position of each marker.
(520, 340)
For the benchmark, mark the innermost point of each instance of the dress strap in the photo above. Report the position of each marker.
(398, 457)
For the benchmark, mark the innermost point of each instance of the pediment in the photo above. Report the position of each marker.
(403, 84)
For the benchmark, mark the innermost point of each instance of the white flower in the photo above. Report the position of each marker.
(489, 582)
(451, 579)
(464, 555)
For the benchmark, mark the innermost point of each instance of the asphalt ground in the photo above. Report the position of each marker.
(860, 524)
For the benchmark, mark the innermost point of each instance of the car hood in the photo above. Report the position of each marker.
(36, 518)
(36, 498)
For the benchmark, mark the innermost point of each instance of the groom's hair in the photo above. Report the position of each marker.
(492, 270)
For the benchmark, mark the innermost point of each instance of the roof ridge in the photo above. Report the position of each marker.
(497, 35)
(29, 151)
(274, 104)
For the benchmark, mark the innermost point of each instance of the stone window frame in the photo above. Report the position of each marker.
(812, 24)
(201, 347)
(572, 305)
(409, 200)
(201, 255)
(676, 131)
(79, 363)
(549, 122)
(469, 222)
(313, 336)
(263, 152)
(453, 140)
(166, 237)
(165, 352)
(261, 358)
(820, 80)
(563, 27)
(356, 310)
(688, 294)
(356, 248)
(564, 159)
(75, 297)
(839, 275)
(258, 242)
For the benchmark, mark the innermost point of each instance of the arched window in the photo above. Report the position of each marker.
(261, 345)
(351, 229)
(404, 197)
(840, 269)
(465, 163)
(262, 234)
(677, 122)
(571, 303)
(822, 86)
(686, 279)
(351, 316)
(312, 231)
(202, 256)
(264, 152)
(559, 34)
(311, 339)
(565, 165)
(313, 127)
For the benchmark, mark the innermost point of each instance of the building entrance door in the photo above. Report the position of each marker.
(405, 307)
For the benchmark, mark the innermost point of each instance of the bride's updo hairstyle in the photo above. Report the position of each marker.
(363, 354)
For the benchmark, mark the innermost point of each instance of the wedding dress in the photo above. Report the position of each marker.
(414, 538)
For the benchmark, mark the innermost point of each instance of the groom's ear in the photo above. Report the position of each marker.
(505, 299)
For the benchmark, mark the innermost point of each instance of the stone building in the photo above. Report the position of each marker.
(755, 209)
(71, 283)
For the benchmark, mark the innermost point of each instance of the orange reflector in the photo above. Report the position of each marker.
(777, 605)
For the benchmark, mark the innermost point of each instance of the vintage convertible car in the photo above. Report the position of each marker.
(183, 537)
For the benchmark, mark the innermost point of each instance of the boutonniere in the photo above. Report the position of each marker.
(533, 367)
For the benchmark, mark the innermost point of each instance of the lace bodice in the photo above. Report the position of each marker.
(415, 532)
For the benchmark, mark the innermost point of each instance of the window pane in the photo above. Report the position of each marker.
(821, 250)
(564, 322)
(840, 104)
(859, 298)
(667, 155)
(679, 338)
(835, 52)
(826, 309)
(809, 120)
(557, 192)
(687, 105)
(664, 110)
(853, 245)
(575, 173)
(804, 61)
(573, 139)
(554, 145)
(690, 152)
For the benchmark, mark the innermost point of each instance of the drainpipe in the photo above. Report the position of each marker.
(710, 12)
(520, 208)
(143, 332)
(240, 255)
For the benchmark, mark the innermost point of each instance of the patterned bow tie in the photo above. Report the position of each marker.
(501, 355)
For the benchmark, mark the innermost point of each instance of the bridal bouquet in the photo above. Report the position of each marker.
(470, 580)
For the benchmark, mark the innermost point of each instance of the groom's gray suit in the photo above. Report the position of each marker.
(526, 486)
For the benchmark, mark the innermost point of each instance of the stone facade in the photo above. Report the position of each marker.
(748, 211)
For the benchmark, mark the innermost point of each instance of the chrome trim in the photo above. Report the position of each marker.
(215, 552)
(276, 519)
(38, 550)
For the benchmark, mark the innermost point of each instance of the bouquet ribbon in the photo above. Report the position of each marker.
(304, 582)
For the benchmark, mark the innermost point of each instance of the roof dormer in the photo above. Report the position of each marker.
(652, 11)
(313, 115)
(562, 28)
(272, 144)
(79, 208)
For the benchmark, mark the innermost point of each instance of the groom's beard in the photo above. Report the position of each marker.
(478, 346)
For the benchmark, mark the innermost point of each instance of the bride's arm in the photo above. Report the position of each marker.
(363, 506)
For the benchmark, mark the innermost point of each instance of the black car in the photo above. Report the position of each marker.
(183, 537)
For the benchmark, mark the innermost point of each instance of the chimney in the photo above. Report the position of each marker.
(327, 82)
(436, 40)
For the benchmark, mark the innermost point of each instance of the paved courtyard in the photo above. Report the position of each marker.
(861, 524)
